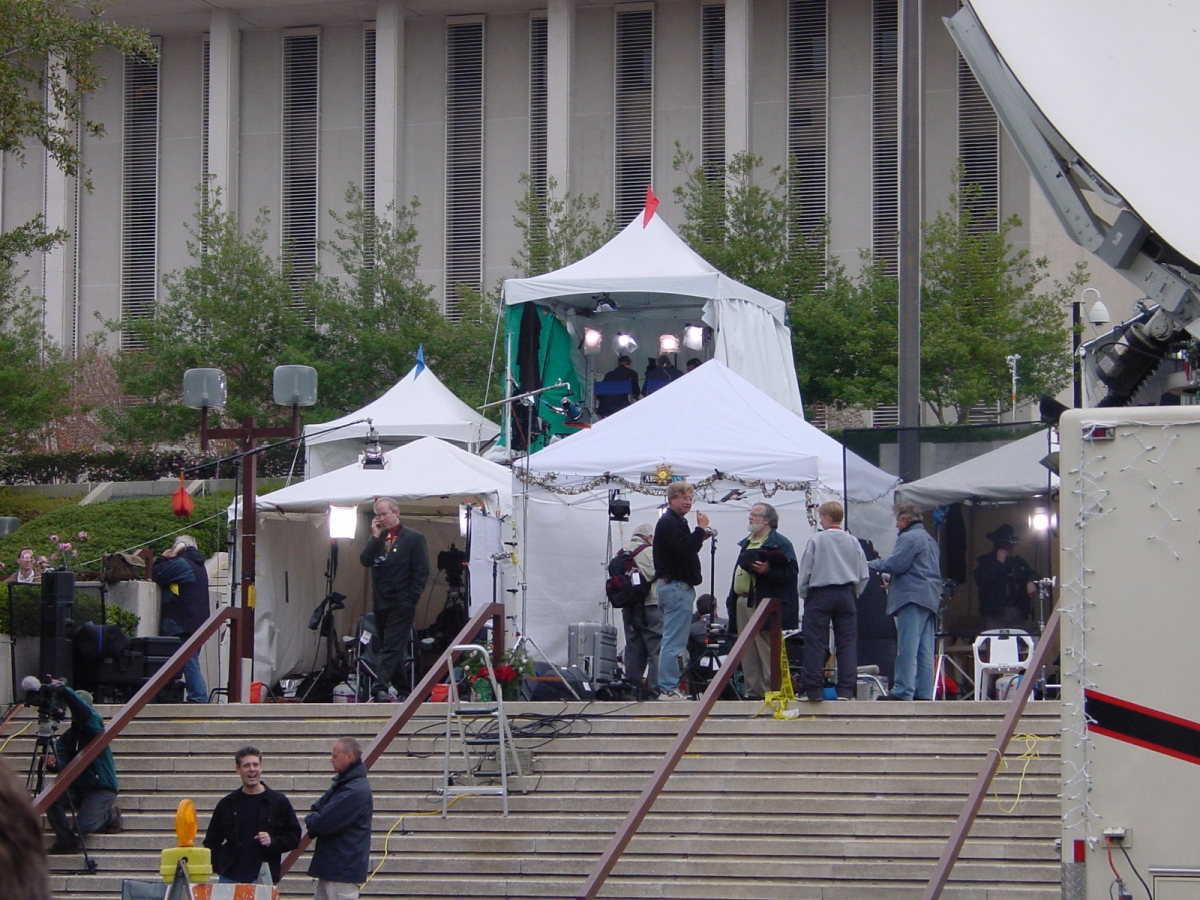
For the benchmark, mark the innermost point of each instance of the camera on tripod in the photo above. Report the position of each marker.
(47, 697)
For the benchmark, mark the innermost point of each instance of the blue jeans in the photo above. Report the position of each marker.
(914, 652)
(675, 600)
(197, 689)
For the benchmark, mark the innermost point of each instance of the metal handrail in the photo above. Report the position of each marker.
(1016, 708)
(766, 613)
(493, 611)
(149, 691)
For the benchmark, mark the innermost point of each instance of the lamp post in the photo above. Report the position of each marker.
(204, 389)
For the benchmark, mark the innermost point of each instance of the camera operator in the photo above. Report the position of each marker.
(93, 794)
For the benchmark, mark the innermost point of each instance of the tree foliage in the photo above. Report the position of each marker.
(557, 231)
(232, 309)
(982, 302)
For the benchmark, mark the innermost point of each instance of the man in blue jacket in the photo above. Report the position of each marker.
(183, 581)
(913, 598)
(341, 822)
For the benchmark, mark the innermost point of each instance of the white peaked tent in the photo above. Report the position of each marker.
(418, 405)
(430, 479)
(710, 421)
(659, 284)
(1008, 473)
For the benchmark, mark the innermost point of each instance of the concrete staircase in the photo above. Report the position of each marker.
(853, 801)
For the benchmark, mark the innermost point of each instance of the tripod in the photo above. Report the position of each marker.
(942, 659)
(705, 665)
(36, 780)
(523, 639)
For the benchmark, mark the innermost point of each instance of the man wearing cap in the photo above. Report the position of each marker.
(93, 794)
(1005, 581)
(183, 581)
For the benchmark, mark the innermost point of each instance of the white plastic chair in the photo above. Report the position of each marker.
(1008, 652)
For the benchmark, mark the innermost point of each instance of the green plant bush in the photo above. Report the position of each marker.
(27, 506)
(119, 525)
(25, 621)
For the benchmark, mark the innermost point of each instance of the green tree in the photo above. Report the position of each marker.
(372, 318)
(42, 102)
(557, 231)
(35, 377)
(232, 309)
(982, 302)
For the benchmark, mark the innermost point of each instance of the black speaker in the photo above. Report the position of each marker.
(56, 625)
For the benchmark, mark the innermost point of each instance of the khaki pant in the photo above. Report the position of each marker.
(335, 890)
(756, 664)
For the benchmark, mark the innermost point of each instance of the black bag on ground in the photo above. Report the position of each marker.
(625, 585)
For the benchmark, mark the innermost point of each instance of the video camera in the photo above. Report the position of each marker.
(48, 698)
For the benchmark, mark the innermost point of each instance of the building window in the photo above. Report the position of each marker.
(368, 171)
(464, 160)
(808, 89)
(301, 145)
(538, 91)
(885, 113)
(712, 89)
(979, 153)
(634, 111)
(139, 195)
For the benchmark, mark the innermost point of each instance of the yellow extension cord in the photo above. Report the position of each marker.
(398, 823)
(1030, 754)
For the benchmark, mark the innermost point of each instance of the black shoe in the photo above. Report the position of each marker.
(61, 848)
(891, 697)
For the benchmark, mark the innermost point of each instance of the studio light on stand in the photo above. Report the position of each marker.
(668, 343)
(343, 522)
(372, 457)
(592, 341)
(618, 507)
(624, 344)
(1043, 520)
(693, 336)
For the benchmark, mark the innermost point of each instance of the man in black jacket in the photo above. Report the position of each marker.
(677, 567)
(251, 826)
(766, 569)
(183, 580)
(341, 822)
(399, 562)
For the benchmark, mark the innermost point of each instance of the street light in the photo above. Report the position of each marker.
(205, 389)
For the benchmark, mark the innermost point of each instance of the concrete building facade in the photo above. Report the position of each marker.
(285, 103)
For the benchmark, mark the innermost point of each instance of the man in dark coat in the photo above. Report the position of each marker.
(183, 581)
(399, 562)
(766, 569)
(341, 823)
(607, 404)
(251, 826)
(677, 571)
(1006, 583)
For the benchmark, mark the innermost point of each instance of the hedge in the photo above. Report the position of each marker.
(77, 466)
(26, 621)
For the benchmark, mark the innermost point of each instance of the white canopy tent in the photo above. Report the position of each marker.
(1009, 473)
(658, 285)
(718, 431)
(417, 406)
(430, 479)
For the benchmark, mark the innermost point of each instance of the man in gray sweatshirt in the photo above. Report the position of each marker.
(833, 572)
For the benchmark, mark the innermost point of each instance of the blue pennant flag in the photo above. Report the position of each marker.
(420, 361)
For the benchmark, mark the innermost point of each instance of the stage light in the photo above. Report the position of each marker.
(1043, 520)
(343, 522)
(668, 343)
(604, 304)
(592, 339)
(372, 457)
(463, 512)
(693, 336)
(624, 344)
(618, 507)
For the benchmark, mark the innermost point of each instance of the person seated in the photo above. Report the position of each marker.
(606, 403)
(662, 374)
(693, 364)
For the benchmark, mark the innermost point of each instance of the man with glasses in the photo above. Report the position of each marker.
(766, 569)
(677, 567)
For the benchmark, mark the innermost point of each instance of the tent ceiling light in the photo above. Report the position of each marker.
(624, 344)
(604, 304)
(668, 343)
(693, 336)
(343, 522)
(592, 339)
(372, 457)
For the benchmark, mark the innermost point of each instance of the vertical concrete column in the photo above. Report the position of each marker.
(737, 77)
(224, 115)
(560, 52)
(389, 105)
(58, 266)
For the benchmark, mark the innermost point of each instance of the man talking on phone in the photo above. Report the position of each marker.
(399, 564)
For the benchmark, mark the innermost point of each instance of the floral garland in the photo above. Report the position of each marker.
(768, 487)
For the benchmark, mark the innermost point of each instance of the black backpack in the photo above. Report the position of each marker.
(625, 585)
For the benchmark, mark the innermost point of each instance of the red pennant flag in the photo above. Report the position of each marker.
(181, 501)
(651, 206)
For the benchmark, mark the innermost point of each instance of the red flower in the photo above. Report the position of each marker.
(506, 674)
